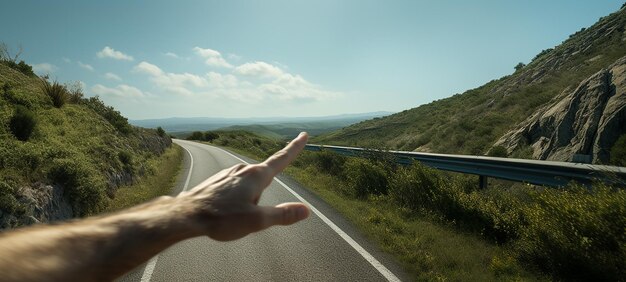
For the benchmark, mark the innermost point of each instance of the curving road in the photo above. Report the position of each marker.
(325, 247)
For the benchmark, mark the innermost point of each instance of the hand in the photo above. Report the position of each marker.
(224, 206)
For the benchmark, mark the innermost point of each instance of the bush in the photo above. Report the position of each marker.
(329, 162)
(415, 187)
(56, 91)
(22, 67)
(8, 202)
(498, 151)
(210, 136)
(125, 157)
(22, 123)
(196, 135)
(618, 152)
(577, 233)
(160, 131)
(82, 186)
(109, 113)
(75, 92)
(365, 178)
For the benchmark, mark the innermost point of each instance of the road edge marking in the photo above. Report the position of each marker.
(384, 271)
(147, 272)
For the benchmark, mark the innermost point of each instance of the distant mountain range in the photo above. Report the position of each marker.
(276, 127)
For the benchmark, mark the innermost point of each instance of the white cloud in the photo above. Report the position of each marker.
(217, 80)
(172, 55)
(85, 66)
(177, 83)
(267, 83)
(122, 91)
(112, 76)
(259, 69)
(234, 57)
(293, 87)
(44, 68)
(212, 58)
(108, 52)
(148, 68)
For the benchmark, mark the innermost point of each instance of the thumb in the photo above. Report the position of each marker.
(284, 214)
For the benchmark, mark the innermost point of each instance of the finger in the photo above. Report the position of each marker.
(281, 159)
(284, 214)
(219, 176)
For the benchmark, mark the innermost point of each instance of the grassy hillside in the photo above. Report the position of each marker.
(241, 141)
(63, 155)
(471, 122)
(291, 130)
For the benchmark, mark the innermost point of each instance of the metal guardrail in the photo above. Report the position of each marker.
(546, 173)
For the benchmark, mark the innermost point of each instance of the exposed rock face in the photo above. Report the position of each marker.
(586, 121)
(44, 203)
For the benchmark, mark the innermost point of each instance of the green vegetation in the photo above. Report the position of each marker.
(569, 233)
(442, 226)
(59, 138)
(22, 123)
(11, 61)
(108, 113)
(56, 91)
(258, 146)
(498, 151)
(471, 122)
(158, 181)
(618, 152)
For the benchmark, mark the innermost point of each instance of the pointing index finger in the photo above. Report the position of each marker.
(281, 159)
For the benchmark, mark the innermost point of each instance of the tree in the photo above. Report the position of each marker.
(519, 66)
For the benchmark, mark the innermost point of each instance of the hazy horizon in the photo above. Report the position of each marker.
(279, 58)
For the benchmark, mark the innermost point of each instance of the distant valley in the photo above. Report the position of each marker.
(273, 127)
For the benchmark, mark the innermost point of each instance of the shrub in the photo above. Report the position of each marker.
(22, 67)
(126, 158)
(75, 92)
(82, 186)
(210, 136)
(109, 113)
(415, 187)
(577, 233)
(160, 131)
(8, 202)
(196, 135)
(22, 123)
(498, 151)
(329, 162)
(618, 151)
(365, 178)
(56, 91)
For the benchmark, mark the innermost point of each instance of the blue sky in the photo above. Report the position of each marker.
(152, 59)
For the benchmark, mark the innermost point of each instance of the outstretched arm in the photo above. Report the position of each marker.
(223, 207)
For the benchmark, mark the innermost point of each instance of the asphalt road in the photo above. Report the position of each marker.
(324, 247)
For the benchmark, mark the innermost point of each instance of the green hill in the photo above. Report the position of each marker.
(63, 155)
(471, 122)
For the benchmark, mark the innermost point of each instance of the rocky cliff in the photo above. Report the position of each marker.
(517, 110)
(579, 125)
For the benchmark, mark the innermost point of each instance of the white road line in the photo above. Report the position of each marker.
(147, 272)
(364, 253)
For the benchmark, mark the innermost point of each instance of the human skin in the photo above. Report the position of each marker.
(224, 207)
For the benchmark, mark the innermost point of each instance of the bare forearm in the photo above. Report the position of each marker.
(223, 207)
(94, 249)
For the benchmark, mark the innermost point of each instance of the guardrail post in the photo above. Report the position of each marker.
(482, 181)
